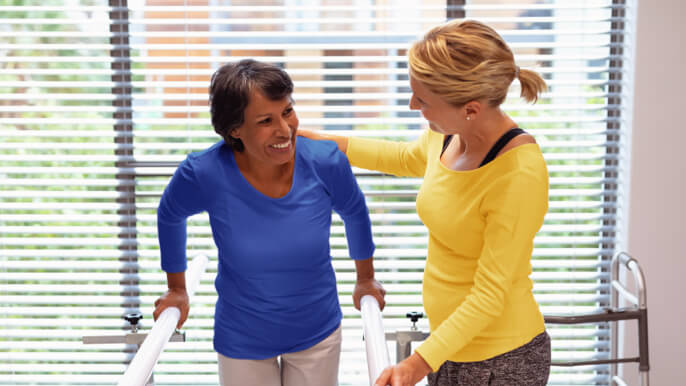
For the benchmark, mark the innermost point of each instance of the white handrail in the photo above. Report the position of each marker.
(374, 337)
(141, 366)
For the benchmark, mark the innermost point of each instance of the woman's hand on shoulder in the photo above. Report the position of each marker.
(340, 140)
(406, 373)
(308, 134)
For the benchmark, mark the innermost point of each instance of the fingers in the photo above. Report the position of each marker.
(182, 318)
(167, 300)
(382, 302)
(161, 307)
(380, 295)
(384, 378)
(369, 287)
(304, 133)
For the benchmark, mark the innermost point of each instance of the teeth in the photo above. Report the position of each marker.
(281, 145)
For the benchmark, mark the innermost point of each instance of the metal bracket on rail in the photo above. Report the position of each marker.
(404, 338)
(133, 337)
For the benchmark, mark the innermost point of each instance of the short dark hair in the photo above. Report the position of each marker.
(230, 89)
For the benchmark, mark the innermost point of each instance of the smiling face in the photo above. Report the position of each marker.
(268, 131)
(443, 117)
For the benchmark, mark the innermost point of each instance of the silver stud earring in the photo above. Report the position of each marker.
(468, 117)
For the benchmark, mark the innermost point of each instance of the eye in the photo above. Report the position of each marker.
(264, 121)
(288, 111)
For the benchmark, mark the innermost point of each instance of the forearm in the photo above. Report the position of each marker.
(365, 269)
(403, 159)
(176, 281)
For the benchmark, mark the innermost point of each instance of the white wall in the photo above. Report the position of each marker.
(657, 197)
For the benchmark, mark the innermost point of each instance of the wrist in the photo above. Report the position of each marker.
(420, 364)
(364, 269)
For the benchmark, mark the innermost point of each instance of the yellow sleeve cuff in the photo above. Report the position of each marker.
(435, 351)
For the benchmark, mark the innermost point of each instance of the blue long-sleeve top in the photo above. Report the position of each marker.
(275, 282)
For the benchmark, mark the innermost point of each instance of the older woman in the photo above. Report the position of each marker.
(483, 198)
(269, 195)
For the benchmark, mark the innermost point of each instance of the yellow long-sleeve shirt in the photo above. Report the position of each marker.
(476, 291)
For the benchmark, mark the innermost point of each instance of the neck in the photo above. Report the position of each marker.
(491, 124)
(263, 173)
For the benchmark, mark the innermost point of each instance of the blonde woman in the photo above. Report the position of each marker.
(483, 198)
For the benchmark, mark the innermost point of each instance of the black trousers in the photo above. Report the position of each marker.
(528, 365)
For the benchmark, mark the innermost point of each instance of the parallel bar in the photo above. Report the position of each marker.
(142, 364)
(375, 339)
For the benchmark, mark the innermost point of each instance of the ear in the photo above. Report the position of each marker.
(472, 108)
(235, 133)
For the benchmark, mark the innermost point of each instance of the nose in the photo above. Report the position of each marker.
(413, 103)
(283, 129)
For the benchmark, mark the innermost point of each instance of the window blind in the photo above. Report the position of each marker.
(100, 100)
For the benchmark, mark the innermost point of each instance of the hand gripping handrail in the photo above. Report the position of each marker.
(141, 366)
(374, 337)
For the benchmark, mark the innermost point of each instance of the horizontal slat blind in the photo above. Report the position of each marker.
(55, 189)
(100, 100)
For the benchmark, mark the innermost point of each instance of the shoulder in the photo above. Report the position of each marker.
(203, 163)
(520, 163)
(210, 153)
(521, 182)
(320, 153)
(208, 156)
(520, 154)
(323, 161)
(522, 178)
(522, 139)
(315, 147)
(527, 159)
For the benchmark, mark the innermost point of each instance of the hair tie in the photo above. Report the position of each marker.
(516, 71)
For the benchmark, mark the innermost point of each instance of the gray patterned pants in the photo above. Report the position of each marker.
(528, 365)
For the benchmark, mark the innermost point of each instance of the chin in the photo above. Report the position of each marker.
(287, 156)
(436, 128)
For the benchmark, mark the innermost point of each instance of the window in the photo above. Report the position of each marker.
(100, 100)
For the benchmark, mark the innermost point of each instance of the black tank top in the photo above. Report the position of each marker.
(497, 147)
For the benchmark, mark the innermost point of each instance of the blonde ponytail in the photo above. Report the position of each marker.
(532, 85)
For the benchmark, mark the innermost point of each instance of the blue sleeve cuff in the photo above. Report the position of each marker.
(359, 234)
(172, 239)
